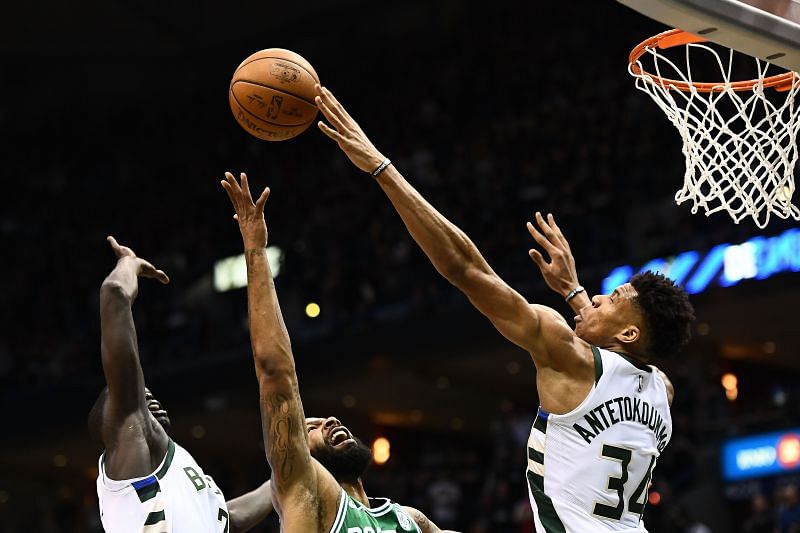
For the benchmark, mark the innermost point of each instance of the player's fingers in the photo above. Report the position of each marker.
(559, 234)
(336, 109)
(113, 242)
(332, 117)
(337, 105)
(330, 132)
(235, 188)
(162, 277)
(248, 198)
(229, 191)
(537, 258)
(546, 229)
(262, 200)
(540, 239)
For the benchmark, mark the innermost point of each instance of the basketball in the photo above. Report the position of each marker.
(272, 94)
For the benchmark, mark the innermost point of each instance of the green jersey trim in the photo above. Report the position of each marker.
(380, 510)
(598, 364)
(167, 460)
(547, 512)
(340, 513)
(155, 518)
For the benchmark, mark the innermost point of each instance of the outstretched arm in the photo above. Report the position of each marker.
(250, 509)
(126, 430)
(535, 328)
(282, 418)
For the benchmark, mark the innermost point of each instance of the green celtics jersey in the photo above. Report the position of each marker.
(383, 516)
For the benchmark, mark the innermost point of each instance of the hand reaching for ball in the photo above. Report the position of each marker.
(346, 132)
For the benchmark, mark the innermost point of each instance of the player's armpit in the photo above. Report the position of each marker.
(424, 523)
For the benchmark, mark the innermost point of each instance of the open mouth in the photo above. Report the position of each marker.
(340, 437)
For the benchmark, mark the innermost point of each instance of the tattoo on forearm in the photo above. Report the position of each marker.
(249, 257)
(280, 431)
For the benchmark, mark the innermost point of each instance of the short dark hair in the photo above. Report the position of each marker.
(667, 313)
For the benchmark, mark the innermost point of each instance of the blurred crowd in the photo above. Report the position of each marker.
(584, 145)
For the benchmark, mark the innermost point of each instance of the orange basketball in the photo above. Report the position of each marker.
(272, 94)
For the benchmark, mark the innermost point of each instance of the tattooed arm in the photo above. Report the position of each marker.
(423, 522)
(294, 477)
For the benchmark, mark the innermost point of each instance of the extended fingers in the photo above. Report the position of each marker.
(149, 271)
(262, 200)
(332, 103)
(332, 117)
(229, 190)
(113, 242)
(162, 276)
(540, 239)
(248, 198)
(537, 258)
(552, 222)
(330, 132)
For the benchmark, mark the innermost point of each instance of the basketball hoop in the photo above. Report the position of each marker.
(739, 141)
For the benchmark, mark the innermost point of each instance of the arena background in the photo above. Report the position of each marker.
(114, 120)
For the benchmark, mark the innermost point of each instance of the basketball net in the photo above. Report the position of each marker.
(740, 145)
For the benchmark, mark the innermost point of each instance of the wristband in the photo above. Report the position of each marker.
(386, 162)
(573, 293)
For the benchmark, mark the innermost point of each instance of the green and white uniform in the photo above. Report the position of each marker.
(589, 469)
(383, 516)
(176, 498)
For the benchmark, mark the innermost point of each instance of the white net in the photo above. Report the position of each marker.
(740, 146)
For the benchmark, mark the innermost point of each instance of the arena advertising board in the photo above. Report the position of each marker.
(724, 265)
(761, 455)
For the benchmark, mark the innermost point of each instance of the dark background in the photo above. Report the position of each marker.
(114, 120)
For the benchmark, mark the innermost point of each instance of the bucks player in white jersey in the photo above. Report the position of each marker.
(604, 415)
(147, 483)
(317, 464)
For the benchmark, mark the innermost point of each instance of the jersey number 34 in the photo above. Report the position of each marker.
(635, 503)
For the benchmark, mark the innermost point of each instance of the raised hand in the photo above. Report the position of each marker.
(560, 273)
(346, 132)
(249, 215)
(144, 268)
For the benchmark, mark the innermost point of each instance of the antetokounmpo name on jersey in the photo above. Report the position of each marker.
(623, 409)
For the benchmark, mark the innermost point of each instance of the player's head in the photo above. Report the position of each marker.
(154, 406)
(338, 450)
(650, 316)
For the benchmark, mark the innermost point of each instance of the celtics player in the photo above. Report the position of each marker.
(147, 483)
(604, 411)
(317, 464)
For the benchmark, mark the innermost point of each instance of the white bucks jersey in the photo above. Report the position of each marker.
(589, 470)
(177, 498)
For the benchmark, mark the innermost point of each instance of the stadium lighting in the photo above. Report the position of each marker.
(381, 450)
(312, 310)
(729, 381)
(231, 273)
